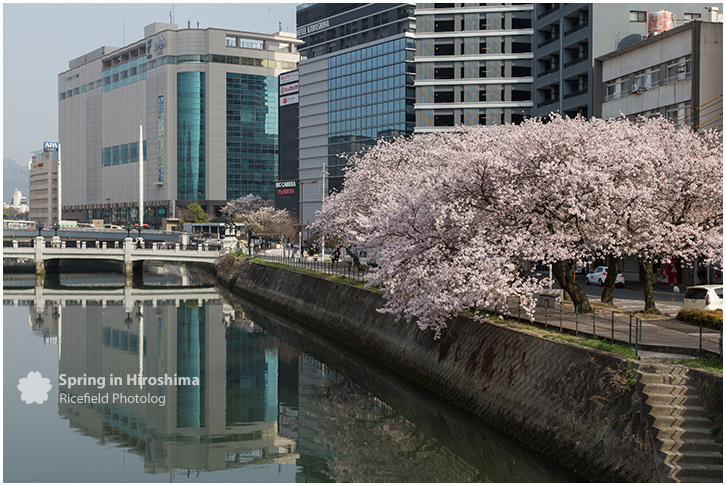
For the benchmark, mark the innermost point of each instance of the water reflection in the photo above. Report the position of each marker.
(269, 393)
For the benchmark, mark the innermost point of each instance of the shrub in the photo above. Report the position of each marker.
(712, 319)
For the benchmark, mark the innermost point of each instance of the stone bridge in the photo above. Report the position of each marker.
(129, 252)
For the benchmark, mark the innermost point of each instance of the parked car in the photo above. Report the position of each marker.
(599, 275)
(704, 297)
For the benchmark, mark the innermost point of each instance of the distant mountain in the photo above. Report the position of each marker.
(14, 176)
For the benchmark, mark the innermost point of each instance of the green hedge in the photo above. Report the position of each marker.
(712, 319)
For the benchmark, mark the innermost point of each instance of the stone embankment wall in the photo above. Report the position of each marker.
(580, 407)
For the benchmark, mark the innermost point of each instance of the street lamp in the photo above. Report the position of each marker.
(39, 225)
(129, 226)
(56, 227)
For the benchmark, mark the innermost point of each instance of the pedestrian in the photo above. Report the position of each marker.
(335, 257)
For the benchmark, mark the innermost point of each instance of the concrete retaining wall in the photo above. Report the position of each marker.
(565, 401)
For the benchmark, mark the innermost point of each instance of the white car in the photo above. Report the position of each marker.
(599, 275)
(704, 297)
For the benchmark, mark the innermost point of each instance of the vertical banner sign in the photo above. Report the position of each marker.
(160, 179)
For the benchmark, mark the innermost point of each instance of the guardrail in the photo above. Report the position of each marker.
(340, 269)
(624, 328)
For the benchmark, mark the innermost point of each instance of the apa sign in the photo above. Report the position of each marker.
(51, 145)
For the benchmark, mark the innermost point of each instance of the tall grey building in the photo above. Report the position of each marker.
(208, 103)
(356, 87)
(569, 36)
(473, 64)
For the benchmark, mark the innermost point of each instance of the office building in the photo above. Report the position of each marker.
(568, 37)
(207, 101)
(43, 199)
(677, 73)
(356, 87)
(473, 64)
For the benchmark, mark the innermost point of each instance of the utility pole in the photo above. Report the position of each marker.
(141, 174)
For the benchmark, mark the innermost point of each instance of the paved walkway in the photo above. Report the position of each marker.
(665, 335)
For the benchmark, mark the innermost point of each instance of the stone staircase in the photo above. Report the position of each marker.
(684, 441)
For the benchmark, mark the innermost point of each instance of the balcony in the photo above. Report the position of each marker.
(577, 27)
(576, 61)
(548, 11)
(548, 41)
(575, 93)
(549, 71)
(547, 102)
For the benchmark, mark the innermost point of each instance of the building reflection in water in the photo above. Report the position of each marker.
(228, 420)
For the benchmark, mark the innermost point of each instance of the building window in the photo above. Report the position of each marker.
(444, 25)
(444, 73)
(648, 78)
(444, 49)
(442, 120)
(444, 97)
(638, 16)
(678, 69)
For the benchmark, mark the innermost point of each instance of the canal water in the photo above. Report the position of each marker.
(168, 381)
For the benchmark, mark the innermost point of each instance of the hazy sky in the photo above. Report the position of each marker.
(39, 39)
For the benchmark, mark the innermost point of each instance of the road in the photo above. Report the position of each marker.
(630, 298)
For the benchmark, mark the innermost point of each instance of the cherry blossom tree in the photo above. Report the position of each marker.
(260, 217)
(666, 199)
(449, 216)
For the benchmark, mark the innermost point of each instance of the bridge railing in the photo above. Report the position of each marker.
(113, 245)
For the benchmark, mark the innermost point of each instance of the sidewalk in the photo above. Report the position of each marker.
(663, 335)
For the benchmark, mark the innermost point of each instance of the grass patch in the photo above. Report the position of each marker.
(597, 343)
(707, 362)
(307, 271)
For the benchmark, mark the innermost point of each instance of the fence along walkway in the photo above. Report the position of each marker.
(658, 334)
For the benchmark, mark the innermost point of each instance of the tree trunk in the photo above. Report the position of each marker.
(608, 288)
(563, 274)
(355, 259)
(646, 268)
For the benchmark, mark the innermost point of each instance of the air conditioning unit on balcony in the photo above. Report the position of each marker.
(637, 89)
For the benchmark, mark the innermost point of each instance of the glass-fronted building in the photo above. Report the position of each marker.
(356, 87)
(368, 99)
(207, 102)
